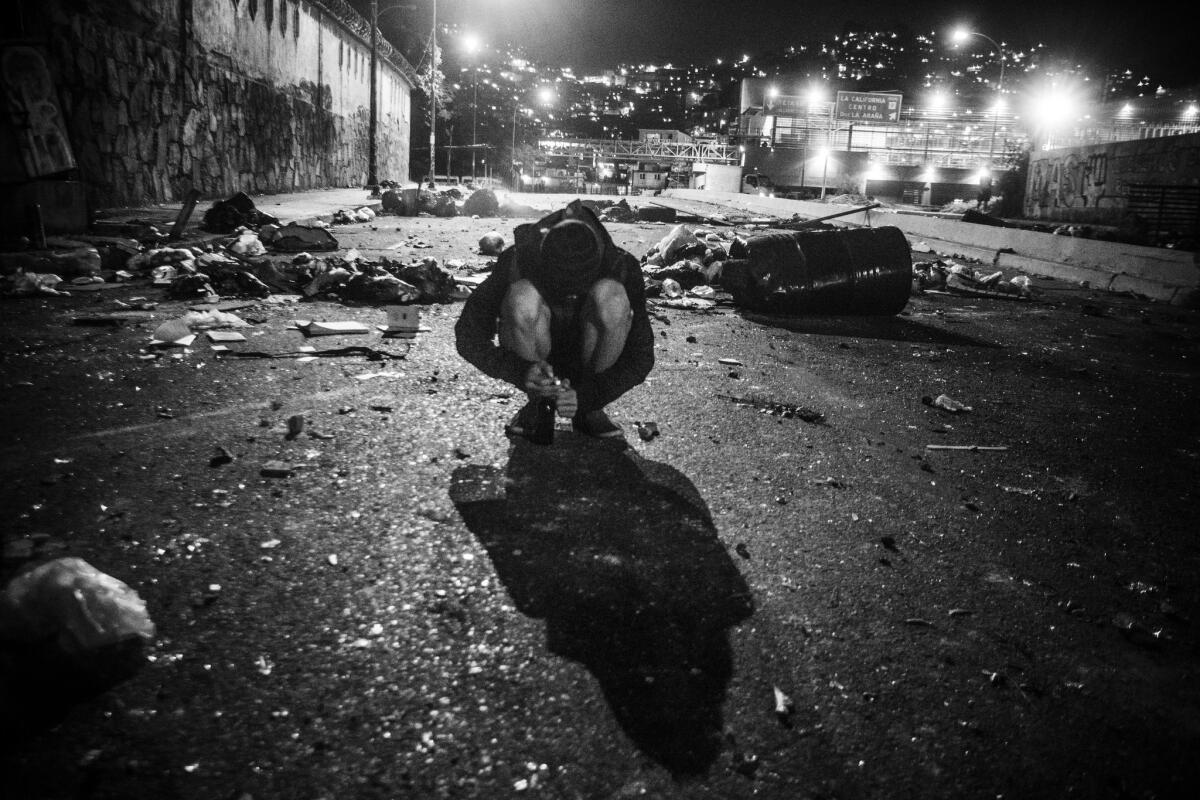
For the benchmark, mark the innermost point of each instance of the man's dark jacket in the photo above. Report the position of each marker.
(476, 330)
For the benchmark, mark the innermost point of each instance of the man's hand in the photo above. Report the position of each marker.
(567, 402)
(540, 380)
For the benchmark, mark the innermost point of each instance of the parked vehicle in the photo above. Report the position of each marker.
(733, 178)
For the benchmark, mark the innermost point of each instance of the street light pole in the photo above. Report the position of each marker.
(512, 153)
(433, 73)
(474, 119)
(996, 113)
(825, 173)
(959, 35)
(828, 150)
(472, 45)
(373, 122)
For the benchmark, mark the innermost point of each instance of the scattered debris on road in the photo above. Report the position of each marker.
(778, 409)
(646, 430)
(971, 447)
(951, 277)
(276, 469)
(946, 403)
(784, 707)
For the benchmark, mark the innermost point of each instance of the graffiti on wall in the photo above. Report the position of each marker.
(32, 108)
(1091, 183)
(1073, 180)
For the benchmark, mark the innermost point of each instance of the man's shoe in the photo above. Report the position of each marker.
(597, 424)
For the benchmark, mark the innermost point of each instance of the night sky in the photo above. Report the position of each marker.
(592, 34)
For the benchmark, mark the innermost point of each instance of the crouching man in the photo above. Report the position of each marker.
(568, 308)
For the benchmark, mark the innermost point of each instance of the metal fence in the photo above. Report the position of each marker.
(1170, 212)
(921, 137)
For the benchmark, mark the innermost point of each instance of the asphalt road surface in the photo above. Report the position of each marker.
(426, 609)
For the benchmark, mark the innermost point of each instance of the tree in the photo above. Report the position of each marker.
(526, 155)
(432, 84)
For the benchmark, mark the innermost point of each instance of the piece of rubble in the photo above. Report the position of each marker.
(783, 704)
(173, 332)
(294, 238)
(326, 328)
(646, 430)
(491, 244)
(671, 288)
(946, 403)
(403, 321)
(379, 286)
(20, 284)
(226, 216)
(276, 469)
(72, 259)
(482, 202)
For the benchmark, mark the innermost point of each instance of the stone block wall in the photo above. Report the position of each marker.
(154, 108)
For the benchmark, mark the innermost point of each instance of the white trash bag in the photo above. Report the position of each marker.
(81, 608)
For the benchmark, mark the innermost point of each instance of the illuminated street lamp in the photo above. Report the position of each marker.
(1052, 108)
(958, 37)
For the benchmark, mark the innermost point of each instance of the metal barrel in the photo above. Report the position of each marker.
(852, 271)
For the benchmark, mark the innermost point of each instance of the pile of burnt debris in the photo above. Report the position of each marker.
(769, 265)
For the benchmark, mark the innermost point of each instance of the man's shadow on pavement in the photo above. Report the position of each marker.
(620, 556)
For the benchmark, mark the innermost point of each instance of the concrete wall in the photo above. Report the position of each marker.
(1169, 275)
(261, 96)
(1089, 184)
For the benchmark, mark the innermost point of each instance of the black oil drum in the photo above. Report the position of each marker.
(852, 271)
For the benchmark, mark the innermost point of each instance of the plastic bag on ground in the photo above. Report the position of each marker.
(81, 259)
(75, 604)
(158, 257)
(669, 246)
(248, 244)
(27, 283)
(67, 632)
(213, 318)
